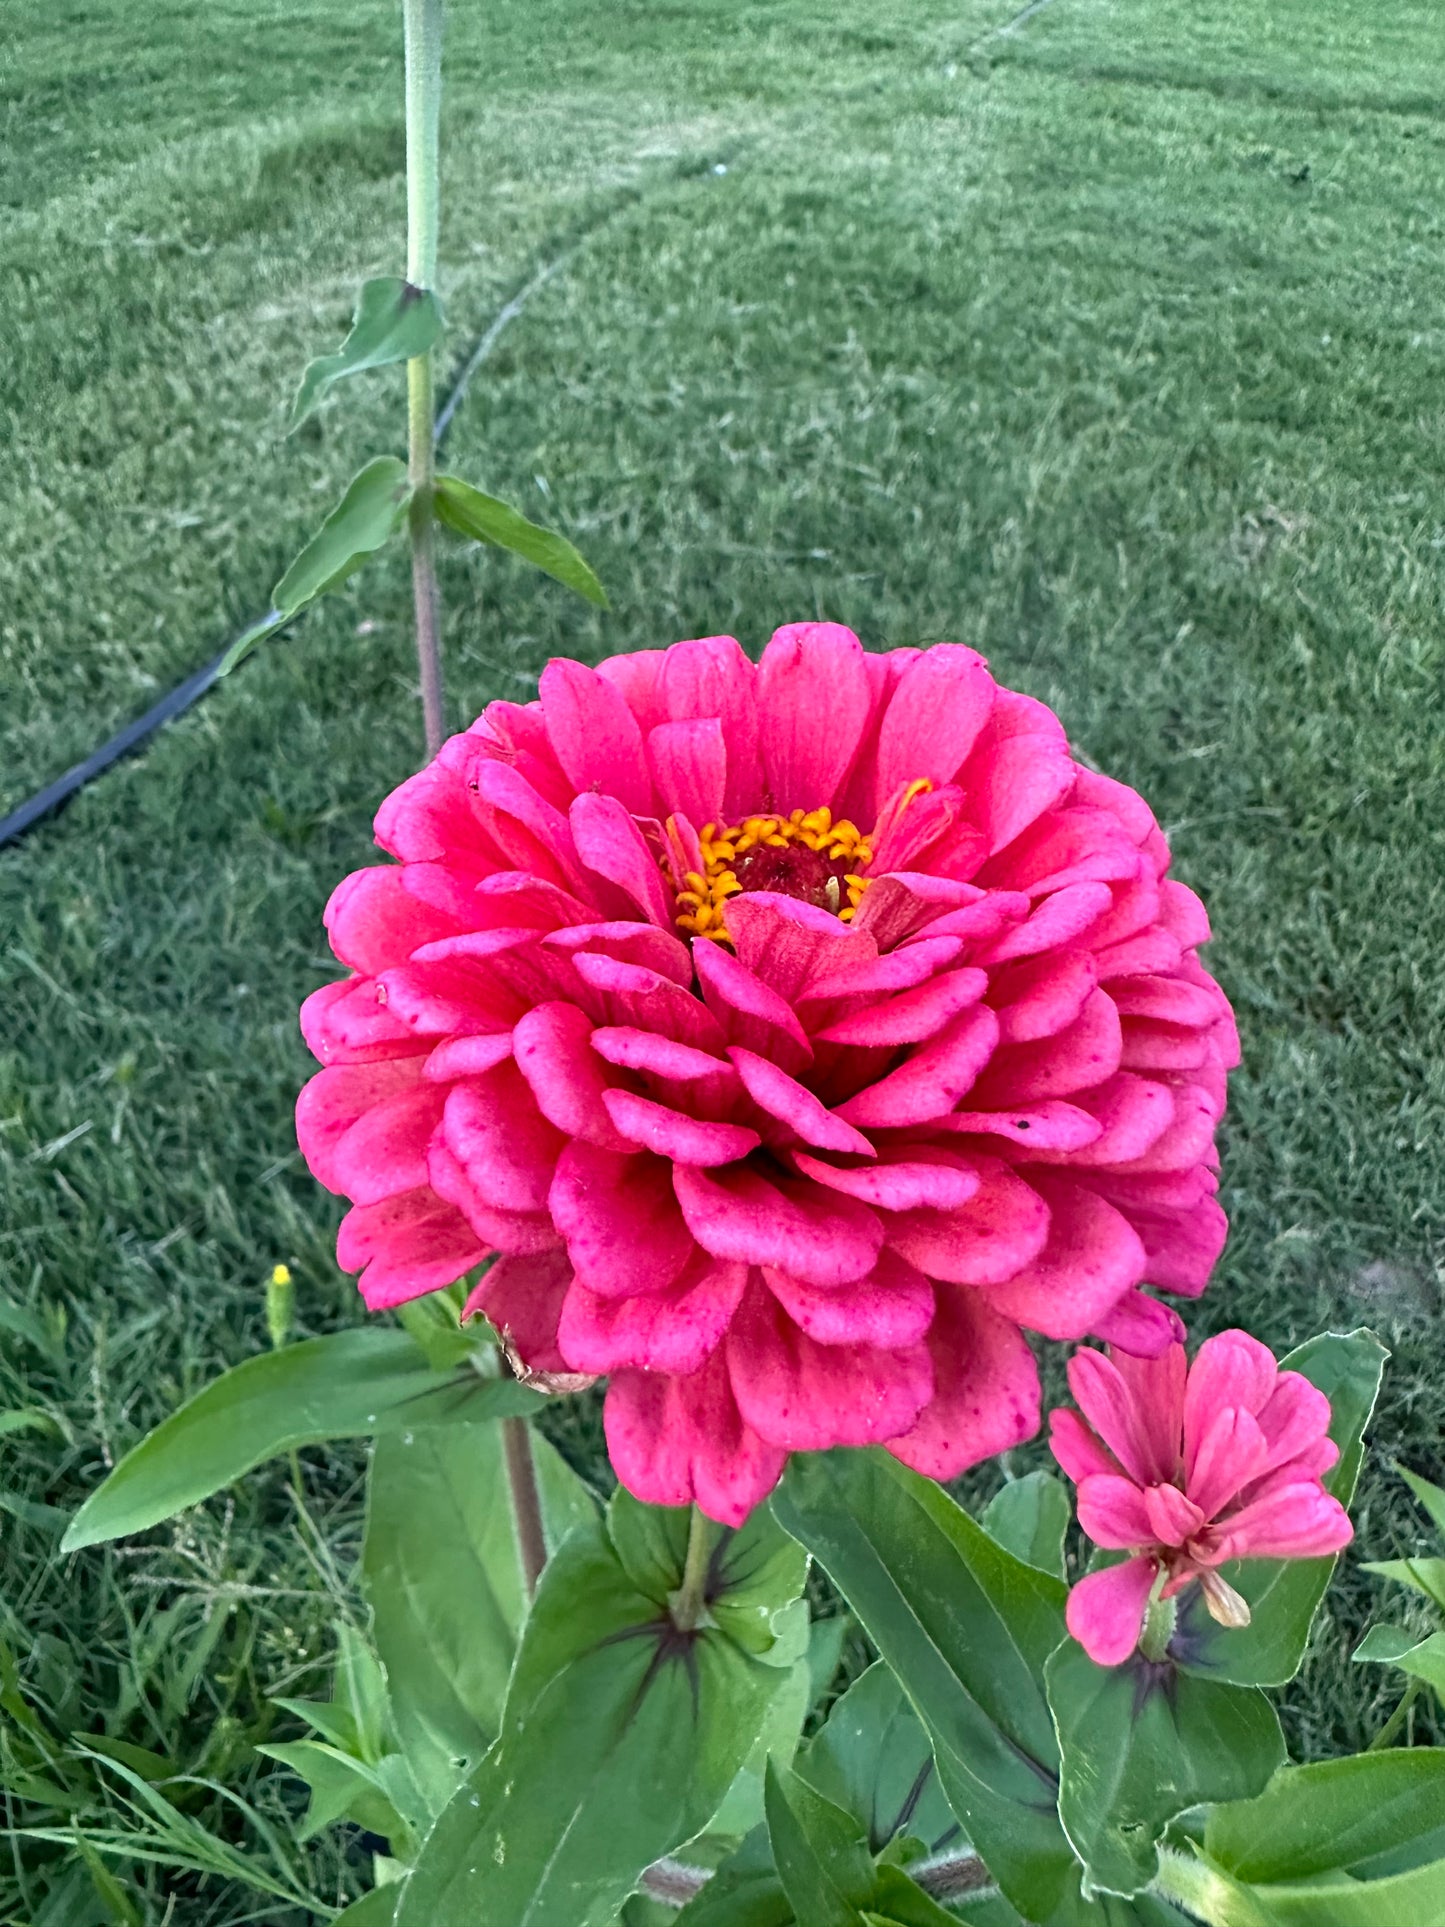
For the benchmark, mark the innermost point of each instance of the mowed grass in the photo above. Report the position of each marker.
(1111, 345)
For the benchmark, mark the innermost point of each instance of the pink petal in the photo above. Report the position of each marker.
(1169, 1000)
(406, 1246)
(467, 1057)
(813, 701)
(1230, 1369)
(938, 707)
(633, 943)
(913, 963)
(814, 1235)
(805, 1397)
(783, 1098)
(793, 947)
(374, 921)
(891, 1307)
(1041, 996)
(1076, 1448)
(336, 1099)
(749, 1011)
(673, 1134)
(1173, 1518)
(689, 764)
(1133, 1114)
(675, 1330)
(1231, 1454)
(1091, 1259)
(1295, 1522)
(910, 1018)
(508, 1149)
(984, 1242)
(553, 1049)
(1079, 1057)
(620, 1220)
(1113, 1512)
(610, 843)
(675, 1440)
(385, 1151)
(1293, 1420)
(1130, 1420)
(519, 1232)
(1155, 1383)
(1106, 1610)
(637, 677)
(523, 1299)
(1041, 1128)
(986, 1390)
(933, 1079)
(1020, 765)
(902, 1180)
(712, 677)
(1182, 1246)
(595, 734)
(1139, 1324)
(664, 1057)
(1058, 920)
(349, 1022)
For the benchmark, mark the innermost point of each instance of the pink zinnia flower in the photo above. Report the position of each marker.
(1189, 1467)
(800, 1033)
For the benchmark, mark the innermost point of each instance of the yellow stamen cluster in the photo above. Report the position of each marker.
(700, 905)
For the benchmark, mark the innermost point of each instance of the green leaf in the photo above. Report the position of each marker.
(967, 1629)
(372, 1910)
(1422, 1659)
(348, 1385)
(363, 521)
(482, 518)
(620, 1734)
(1430, 1496)
(744, 1892)
(1284, 1595)
(394, 321)
(443, 1576)
(120, 1903)
(1029, 1517)
(342, 1788)
(1345, 1815)
(1141, 1743)
(1425, 1576)
(819, 1851)
(871, 1756)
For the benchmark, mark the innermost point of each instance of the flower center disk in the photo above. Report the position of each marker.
(805, 855)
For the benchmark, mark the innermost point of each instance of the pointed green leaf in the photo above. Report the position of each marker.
(364, 520)
(1355, 1816)
(1284, 1595)
(372, 1910)
(871, 1756)
(342, 1788)
(619, 1736)
(443, 1576)
(1430, 1496)
(820, 1853)
(1422, 1659)
(1029, 1518)
(1141, 1743)
(348, 1385)
(1425, 1576)
(394, 321)
(482, 518)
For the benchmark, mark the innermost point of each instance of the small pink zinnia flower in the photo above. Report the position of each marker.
(799, 1033)
(1188, 1467)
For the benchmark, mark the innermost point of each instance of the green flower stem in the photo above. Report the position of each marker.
(1390, 1731)
(423, 25)
(689, 1602)
(1208, 1895)
(526, 1499)
(1159, 1618)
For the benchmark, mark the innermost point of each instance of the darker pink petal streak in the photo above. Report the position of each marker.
(793, 1038)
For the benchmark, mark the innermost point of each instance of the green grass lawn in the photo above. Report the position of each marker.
(1111, 345)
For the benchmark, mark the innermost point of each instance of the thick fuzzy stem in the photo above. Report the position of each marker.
(689, 1602)
(423, 23)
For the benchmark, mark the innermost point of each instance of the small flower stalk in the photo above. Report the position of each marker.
(1188, 1468)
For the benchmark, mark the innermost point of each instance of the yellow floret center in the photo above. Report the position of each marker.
(726, 848)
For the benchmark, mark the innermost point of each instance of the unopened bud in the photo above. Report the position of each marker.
(280, 1305)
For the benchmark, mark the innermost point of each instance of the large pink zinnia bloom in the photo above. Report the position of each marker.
(800, 1034)
(1189, 1467)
